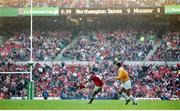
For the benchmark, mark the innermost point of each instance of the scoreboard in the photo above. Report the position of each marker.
(56, 11)
(112, 11)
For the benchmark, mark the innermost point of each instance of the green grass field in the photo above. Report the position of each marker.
(82, 105)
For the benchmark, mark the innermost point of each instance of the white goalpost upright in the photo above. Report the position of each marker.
(31, 26)
(30, 63)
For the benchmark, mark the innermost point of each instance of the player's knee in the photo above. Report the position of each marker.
(121, 91)
(128, 92)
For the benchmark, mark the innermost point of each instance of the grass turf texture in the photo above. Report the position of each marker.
(82, 105)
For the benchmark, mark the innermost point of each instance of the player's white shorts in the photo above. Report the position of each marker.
(126, 85)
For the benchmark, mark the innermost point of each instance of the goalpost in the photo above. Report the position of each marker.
(30, 90)
(31, 82)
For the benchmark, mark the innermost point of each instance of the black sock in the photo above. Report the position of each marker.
(91, 100)
(93, 97)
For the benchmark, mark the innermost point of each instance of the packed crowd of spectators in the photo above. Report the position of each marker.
(151, 81)
(13, 85)
(16, 48)
(91, 46)
(156, 81)
(86, 3)
(101, 45)
(12, 67)
(169, 48)
(46, 45)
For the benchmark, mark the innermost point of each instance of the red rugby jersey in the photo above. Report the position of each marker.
(96, 80)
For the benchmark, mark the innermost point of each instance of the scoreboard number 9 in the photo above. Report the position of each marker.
(158, 10)
(128, 10)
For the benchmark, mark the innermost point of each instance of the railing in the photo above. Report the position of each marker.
(93, 62)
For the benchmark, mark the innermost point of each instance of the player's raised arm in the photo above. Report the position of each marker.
(118, 77)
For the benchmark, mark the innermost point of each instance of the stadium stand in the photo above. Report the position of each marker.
(102, 46)
(94, 46)
(13, 85)
(169, 48)
(16, 48)
(12, 67)
(47, 45)
(125, 45)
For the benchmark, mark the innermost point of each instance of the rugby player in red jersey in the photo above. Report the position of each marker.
(98, 85)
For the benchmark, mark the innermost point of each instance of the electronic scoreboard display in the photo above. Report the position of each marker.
(56, 11)
(112, 11)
